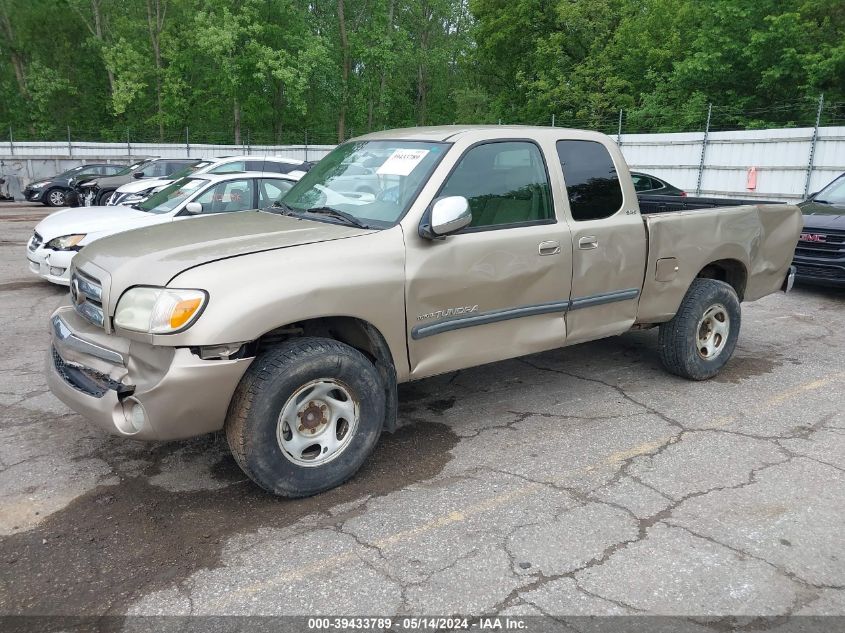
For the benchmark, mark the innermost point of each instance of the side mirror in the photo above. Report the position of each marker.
(138, 174)
(193, 208)
(446, 216)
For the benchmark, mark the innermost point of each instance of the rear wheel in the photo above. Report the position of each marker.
(103, 197)
(306, 416)
(55, 198)
(702, 336)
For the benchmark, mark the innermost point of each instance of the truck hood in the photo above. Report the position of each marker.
(823, 216)
(94, 220)
(154, 255)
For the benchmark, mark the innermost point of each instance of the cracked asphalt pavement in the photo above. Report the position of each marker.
(582, 481)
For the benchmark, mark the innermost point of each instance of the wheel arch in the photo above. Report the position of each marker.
(358, 334)
(732, 271)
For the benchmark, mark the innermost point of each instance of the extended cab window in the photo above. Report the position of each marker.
(505, 183)
(591, 180)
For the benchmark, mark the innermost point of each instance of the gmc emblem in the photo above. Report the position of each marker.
(813, 237)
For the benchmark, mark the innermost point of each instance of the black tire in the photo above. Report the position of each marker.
(103, 198)
(679, 339)
(272, 379)
(55, 198)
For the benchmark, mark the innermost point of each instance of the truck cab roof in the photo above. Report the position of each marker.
(451, 133)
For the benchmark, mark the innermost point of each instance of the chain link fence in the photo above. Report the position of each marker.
(712, 117)
(706, 149)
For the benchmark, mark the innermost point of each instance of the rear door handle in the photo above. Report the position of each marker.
(588, 242)
(549, 248)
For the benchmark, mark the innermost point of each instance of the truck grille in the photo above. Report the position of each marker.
(87, 296)
(820, 272)
(35, 241)
(821, 244)
(87, 380)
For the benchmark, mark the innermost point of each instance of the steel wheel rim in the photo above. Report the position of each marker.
(317, 423)
(57, 198)
(712, 332)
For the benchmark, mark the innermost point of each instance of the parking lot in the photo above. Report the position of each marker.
(584, 481)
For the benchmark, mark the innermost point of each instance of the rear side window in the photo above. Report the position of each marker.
(591, 179)
(281, 168)
(271, 190)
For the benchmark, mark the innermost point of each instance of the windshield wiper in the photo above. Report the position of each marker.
(820, 201)
(280, 207)
(348, 218)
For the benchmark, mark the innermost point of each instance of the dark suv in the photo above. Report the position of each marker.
(820, 255)
(53, 191)
(96, 191)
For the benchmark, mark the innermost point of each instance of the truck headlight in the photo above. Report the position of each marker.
(66, 242)
(159, 310)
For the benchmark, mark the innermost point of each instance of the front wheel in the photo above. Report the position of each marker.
(103, 198)
(56, 198)
(305, 416)
(701, 337)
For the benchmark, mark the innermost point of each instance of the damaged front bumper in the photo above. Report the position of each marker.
(134, 389)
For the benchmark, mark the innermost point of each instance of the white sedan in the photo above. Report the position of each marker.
(138, 190)
(59, 236)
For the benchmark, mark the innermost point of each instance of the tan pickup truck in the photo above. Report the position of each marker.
(402, 254)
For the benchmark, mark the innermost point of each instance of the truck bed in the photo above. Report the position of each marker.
(757, 238)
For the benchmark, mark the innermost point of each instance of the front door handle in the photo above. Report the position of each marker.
(549, 248)
(588, 242)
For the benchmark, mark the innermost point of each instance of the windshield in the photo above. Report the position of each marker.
(134, 167)
(833, 195)
(171, 196)
(374, 181)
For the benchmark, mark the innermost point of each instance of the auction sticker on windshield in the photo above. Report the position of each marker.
(402, 162)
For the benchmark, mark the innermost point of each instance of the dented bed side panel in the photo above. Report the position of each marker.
(781, 226)
(761, 238)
